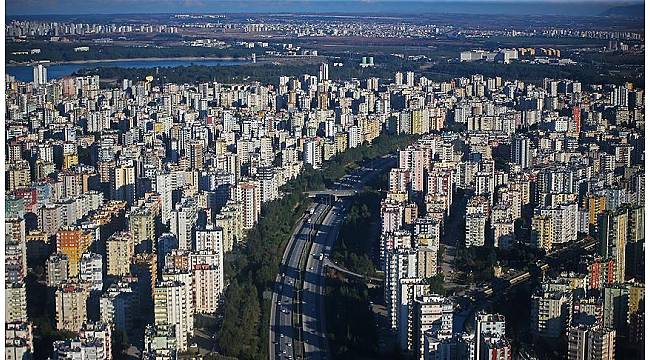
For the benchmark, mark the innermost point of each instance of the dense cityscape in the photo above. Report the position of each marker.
(339, 189)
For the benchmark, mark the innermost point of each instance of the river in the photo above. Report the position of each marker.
(59, 70)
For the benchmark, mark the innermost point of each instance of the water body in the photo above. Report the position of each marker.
(57, 71)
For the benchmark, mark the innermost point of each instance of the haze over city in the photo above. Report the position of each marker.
(531, 7)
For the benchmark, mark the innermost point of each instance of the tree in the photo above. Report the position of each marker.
(436, 284)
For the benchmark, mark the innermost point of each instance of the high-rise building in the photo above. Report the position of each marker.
(635, 245)
(399, 78)
(163, 186)
(427, 260)
(550, 312)
(15, 250)
(195, 152)
(564, 218)
(119, 251)
(183, 221)
(160, 342)
(591, 342)
(541, 235)
(123, 182)
(616, 307)
(432, 313)
(165, 244)
(636, 311)
(416, 162)
(144, 267)
(400, 264)
(612, 227)
(71, 298)
(142, 224)
(324, 72)
(489, 337)
(521, 152)
(210, 238)
(40, 75)
(595, 205)
(119, 305)
(19, 341)
(600, 271)
(409, 290)
(248, 194)
(90, 266)
(269, 183)
(475, 229)
(15, 302)
(410, 78)
(93, 343)
(311, 153)
(57, 269)
(173, 307)
(73, 243)
(208, 287)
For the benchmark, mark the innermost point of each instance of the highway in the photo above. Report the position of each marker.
(282, 330)
(313, 315)
(312, 309)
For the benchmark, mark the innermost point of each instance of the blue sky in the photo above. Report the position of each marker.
(43, 7)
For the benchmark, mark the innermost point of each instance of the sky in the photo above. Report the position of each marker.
(509, 7)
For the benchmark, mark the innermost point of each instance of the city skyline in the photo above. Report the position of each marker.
(504, 7)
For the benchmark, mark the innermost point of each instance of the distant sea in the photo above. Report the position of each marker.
(57, 71)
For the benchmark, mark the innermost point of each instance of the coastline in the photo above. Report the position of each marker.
(94, 61)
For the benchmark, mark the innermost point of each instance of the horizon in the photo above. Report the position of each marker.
(15, 8)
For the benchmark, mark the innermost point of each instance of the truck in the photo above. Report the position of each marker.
(311, 211)
(320, 257)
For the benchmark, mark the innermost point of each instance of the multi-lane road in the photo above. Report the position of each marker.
(313, 310)
(305, 320)
(282, 329)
